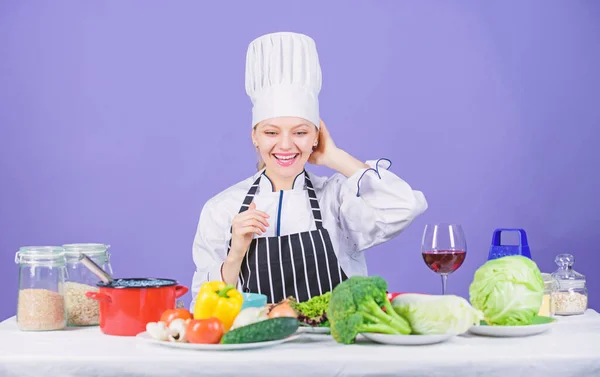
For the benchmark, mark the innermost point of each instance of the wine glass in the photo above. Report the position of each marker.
(444, 249)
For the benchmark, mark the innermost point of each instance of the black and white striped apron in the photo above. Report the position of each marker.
(302, 265)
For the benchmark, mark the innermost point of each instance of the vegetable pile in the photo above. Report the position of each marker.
(508, 290)
(362, 305)
(218, 319)
(504, 291)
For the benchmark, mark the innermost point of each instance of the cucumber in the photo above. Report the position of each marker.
(263, 331)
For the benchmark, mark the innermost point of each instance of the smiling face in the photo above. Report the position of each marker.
(284, 144)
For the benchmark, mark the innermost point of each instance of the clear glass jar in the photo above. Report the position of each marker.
(548, 308)
(82, 310)
(571, 297)
(41, 301)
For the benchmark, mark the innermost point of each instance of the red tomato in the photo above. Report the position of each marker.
(171, 314)
(205, 331)
(392, 295)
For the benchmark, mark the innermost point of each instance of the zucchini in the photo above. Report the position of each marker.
(263, 331)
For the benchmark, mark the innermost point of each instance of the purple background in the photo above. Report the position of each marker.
(120, 119)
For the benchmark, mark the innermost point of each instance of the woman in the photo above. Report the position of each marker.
(284, 231)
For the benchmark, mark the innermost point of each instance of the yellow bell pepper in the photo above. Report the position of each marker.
(219, 300)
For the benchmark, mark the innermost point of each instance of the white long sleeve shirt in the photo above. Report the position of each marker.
(369, 208)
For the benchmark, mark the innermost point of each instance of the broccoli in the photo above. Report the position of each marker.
(357, 305)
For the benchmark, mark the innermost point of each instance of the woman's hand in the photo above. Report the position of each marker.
(328, 154)
(244, 226)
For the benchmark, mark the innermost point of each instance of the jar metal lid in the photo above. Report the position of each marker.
(40, 254)
(74, 249)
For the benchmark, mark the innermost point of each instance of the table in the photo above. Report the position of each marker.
(571, 348)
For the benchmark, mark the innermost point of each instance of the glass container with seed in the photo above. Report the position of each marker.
(82, 310)
(41, 300)
(571, 297)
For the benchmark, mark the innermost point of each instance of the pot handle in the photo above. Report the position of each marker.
(180, 290)
(103, 297)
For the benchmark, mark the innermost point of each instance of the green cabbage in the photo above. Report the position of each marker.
(508, 290)
(436, 314)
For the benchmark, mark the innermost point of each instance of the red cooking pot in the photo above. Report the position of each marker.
(127, 305)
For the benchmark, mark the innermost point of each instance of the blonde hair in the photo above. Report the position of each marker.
(260, 165)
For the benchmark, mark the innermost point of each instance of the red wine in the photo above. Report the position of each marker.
(444, 261)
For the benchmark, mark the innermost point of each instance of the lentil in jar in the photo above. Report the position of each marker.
(570, 303)
(40, 310)
(81, 310)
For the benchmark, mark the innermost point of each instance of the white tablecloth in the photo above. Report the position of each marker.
(571, 348)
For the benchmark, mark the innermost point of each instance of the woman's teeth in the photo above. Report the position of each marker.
(286, 160)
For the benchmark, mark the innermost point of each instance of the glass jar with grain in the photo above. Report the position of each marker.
(81, 310)
(548, 308)
(41, 300)
(571, 297)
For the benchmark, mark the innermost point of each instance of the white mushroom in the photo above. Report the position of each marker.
(177, 330)
(157, 330)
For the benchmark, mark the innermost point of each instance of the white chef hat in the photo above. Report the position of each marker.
(283, 77)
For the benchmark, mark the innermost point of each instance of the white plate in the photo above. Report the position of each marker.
(510, 331)
(146, 338)
(407, 340)
(313, 330)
